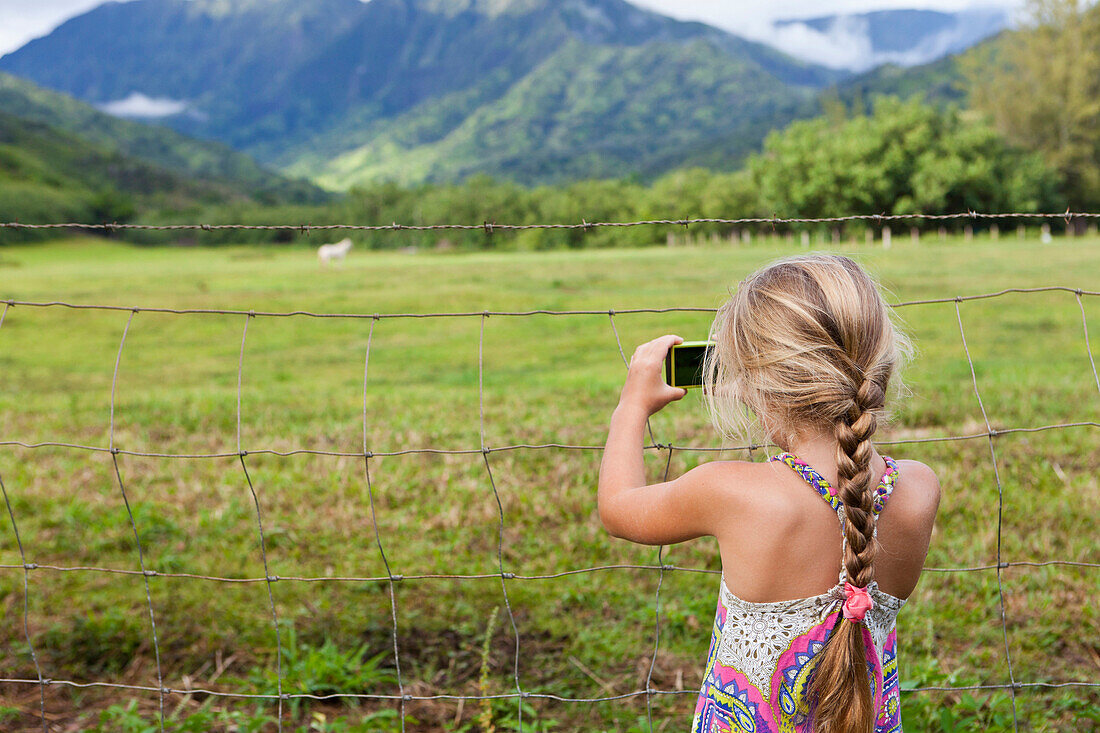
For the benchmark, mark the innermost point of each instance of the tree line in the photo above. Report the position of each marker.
(901, 157)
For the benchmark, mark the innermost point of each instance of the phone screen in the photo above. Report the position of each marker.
(684, 365)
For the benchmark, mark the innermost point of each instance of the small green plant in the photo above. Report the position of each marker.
(119, 719)
(99, 643)
(382, 721)
(128, 719)
(485, 718)
(322, 670)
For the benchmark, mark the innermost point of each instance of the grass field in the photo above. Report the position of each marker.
(546, 380)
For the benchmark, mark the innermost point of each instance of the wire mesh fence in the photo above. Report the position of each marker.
(664, 446)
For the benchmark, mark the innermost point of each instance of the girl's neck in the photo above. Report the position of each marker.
(819, 448)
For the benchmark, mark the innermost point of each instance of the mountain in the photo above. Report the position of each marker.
(212, 164)
(862, 41)
(429, 90)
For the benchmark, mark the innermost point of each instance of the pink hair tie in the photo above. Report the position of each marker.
(857, 602)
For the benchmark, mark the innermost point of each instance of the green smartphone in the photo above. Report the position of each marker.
(684, 364)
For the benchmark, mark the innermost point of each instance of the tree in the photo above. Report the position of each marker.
(1040, 87)
(904, 157)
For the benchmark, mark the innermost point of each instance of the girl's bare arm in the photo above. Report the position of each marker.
(663, 513)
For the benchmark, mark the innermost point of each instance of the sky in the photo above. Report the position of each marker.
(22, 20)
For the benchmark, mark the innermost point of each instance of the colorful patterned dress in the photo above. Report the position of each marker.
(761, 654)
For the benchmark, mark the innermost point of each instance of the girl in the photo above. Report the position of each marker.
(807, 345)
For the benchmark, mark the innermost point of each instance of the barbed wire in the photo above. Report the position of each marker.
(504, 575)
(612, 312)
(491, 227)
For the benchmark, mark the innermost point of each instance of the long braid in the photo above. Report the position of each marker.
(839, 688)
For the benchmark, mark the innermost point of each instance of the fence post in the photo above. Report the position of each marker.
(968, 233)
(943, 234)
(1044, 234)
(914, 234)
(805, 239)
(887, 237)
(995, 232)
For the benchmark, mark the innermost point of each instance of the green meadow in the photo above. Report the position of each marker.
(310, 404)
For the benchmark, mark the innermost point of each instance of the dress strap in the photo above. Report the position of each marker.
(828, 492)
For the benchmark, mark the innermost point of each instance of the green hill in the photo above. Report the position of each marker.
(229, 172)
(49, 175)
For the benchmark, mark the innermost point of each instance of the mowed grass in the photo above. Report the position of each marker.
(544, 379)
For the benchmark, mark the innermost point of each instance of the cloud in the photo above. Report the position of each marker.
(849, 42)
(845, 45)
(139, 105)
(753, 19)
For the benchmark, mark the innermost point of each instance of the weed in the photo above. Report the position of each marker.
(323, 670)
(485, 717)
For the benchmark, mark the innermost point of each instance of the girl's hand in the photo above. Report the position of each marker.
(645, 386)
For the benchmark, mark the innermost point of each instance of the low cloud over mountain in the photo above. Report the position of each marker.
(858, 42)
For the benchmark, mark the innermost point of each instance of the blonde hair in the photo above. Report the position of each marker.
(808, 343)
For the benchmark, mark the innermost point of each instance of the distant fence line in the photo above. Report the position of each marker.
(489, 226)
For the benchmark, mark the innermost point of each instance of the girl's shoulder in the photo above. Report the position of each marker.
(739, 484)
(909, 518)
(919, 487)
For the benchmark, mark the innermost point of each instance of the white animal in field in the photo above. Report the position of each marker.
(338, 251)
